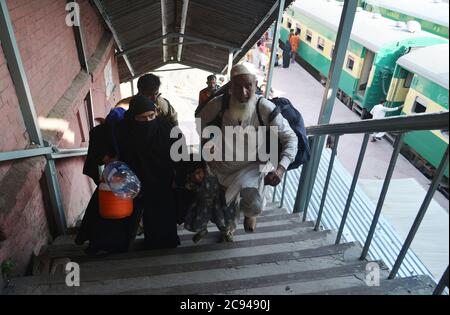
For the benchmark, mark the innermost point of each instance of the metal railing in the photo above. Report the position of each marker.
(399, 126)
(50, 153)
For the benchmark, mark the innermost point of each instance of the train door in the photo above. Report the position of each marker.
(365, 73)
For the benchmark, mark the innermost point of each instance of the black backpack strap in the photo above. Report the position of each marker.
(258, 111)
(272, 115)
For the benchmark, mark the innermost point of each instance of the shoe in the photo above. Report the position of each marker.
(374, 140)
(226, 237)
(199, 236)
(250, 224)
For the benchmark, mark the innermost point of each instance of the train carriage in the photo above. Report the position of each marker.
(375, 46)
(433, 15)
(421, 83)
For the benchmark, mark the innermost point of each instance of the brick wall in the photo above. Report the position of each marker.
(47, 47)
(58, 88)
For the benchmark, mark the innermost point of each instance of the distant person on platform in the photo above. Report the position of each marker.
(379, 112)
(149, 85)
(207, 93)
(295, 42)
(287, 50)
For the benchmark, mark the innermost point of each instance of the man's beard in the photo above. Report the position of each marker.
(242, 112)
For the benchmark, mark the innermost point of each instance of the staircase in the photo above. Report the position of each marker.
(284, 256)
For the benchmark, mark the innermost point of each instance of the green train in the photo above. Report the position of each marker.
(420, 83)
(433, 15)
(371, 73)
(376, 44)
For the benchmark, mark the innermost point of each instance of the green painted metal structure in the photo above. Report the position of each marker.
(426, 143)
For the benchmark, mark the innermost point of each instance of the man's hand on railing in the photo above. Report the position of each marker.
(274, 178)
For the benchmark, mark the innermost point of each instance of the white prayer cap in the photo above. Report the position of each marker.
(240, 69)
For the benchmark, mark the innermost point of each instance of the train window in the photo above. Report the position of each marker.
(309, 36)
(321, 43)
(289, 25)
(298, 30)
(350, 63)
(408, 80)
(444, 133)
(420, 106)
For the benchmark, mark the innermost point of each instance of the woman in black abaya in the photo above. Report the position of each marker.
(143, 142)
(287, 49)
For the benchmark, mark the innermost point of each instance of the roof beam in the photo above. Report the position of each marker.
(154, 43)
(164, 15)
(193, 39)
(99, 6)
(183, 27)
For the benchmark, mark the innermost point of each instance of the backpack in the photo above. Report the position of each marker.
(295, 120)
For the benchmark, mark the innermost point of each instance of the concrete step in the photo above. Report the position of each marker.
(261, 270)
(309, 239)
(96, 271)
(261, 221)
(265, 217)
(274, 209)
(261, 227)
(77, 252)
(417, 285)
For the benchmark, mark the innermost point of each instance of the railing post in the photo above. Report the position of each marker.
(442, 284)
(274, 197)
(283, 192)
(353, 187)
(329, 98)
(327, 184)
(423, 210)
(384, 190)
(302, 181)
(276, 39)
(305, 181)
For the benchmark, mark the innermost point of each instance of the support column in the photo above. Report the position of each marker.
(19, 78)
(28, 110)
(82, 56)
(276, 39)
(342, 41)
(230, 64)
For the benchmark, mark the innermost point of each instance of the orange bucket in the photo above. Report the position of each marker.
(113, 207)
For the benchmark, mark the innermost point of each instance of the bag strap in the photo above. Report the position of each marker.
(224, 106)
(272, 115)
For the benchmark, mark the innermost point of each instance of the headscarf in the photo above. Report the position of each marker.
(138, 105)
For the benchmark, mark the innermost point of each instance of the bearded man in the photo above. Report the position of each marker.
(243, 181)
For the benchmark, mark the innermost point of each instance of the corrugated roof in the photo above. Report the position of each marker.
(429, 62)
(147, 32)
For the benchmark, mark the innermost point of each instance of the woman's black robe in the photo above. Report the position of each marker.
(145, 148)
(287, 50)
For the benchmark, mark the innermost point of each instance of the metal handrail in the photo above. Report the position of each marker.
(397, 125)
(433, 121)
(50, 151)
(442, 284)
